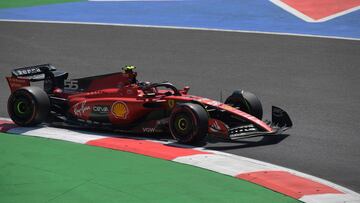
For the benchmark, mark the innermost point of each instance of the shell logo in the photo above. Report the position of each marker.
(119, 110)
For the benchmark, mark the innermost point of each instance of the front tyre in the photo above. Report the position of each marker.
(247, 102)
(28, 106)
(189, 123)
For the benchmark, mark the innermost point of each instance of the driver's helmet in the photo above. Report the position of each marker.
(128, 68)
(129, 71)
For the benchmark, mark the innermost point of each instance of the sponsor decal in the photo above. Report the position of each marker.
(16, 83)
(100, 113)
(209, 102)
(214, 103)
(171, 103)
(149, 130)
(215, 126)
(100, 109)
(27, 71)
(227, 107)
(120, 110)
(242, 130)
(81, 108)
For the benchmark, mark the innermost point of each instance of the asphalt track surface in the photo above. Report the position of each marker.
(316, 80)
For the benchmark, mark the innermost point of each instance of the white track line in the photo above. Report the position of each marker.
(182, 28)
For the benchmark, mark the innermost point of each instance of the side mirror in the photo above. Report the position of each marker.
(186, 89)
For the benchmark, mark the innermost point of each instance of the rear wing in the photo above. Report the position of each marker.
(21, 77)
(33, 73)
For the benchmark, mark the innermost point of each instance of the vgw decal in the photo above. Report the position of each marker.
(149, 130)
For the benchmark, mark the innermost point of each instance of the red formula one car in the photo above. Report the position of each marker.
(119, 102)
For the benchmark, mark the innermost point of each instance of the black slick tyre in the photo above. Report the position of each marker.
(28, 106)
(247, 102)
(189, 123)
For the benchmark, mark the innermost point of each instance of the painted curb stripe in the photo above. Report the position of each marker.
(55, 133)
(287, 183)
(6, 125)
(310, 12)
(321, 9)
(330, 198)
(222, 163)
(144, 147)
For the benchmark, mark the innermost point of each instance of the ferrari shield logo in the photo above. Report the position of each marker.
(171, 103)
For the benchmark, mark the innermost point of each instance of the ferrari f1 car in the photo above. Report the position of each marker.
(119, 102)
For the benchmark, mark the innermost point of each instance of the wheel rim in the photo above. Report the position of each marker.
(22, 108)
(183, 125)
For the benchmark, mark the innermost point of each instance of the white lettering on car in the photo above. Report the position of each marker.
(81, 108)
(102, 109)
(149, 130)
(71, 84)
(215, 126)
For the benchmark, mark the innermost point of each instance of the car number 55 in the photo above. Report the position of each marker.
(71, 84)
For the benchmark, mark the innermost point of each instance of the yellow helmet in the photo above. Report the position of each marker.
(128, 67)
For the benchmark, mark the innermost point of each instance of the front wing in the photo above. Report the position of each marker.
(280, 122)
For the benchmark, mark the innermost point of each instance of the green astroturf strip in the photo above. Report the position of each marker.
(43, 170)
(26, 3)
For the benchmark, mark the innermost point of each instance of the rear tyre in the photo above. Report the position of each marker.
(28, 106)
(189, 123)
(247, 102)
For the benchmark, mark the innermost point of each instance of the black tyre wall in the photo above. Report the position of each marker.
(39, 105)
(247, 102)
(199, 118)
